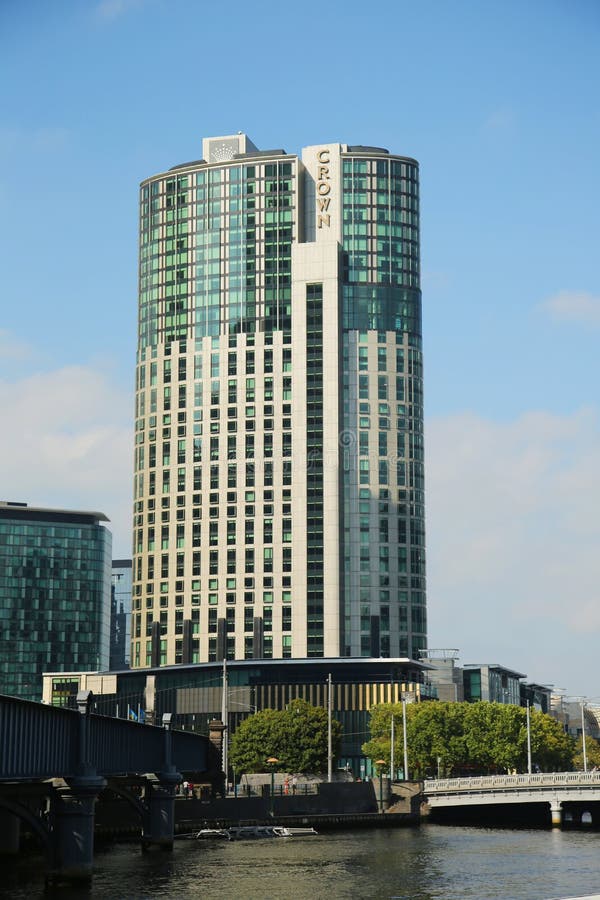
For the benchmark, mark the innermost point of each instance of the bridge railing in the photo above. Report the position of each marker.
(190, 751)
(117, 746)
(507, 782)
(38, 741)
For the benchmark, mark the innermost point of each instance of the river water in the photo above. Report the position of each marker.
(434, 862)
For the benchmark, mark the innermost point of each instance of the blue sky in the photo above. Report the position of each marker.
(499, 103)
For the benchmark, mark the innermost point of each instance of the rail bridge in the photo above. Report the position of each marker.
(567, 794)
(54, 763)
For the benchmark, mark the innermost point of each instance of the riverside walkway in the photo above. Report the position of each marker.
(553, 788)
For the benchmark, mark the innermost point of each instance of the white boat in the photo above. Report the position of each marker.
(209, 833)
(249, 832)
(244, 832)
(293, 831)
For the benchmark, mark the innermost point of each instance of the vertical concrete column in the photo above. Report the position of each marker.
(72, 829)
(158, 820)
(556, 812)
(10, 833)
(159, 795)
(72, 809)
(381, 785)
(150, 699)
(216, 736)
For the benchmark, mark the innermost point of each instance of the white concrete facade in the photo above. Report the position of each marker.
(250, 479)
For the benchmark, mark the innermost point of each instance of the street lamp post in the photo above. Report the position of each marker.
(583, 735)
(329, 735)
(581, 701)
(404, 739)
(225, 721)
(528, 740)
(272, 761)
(380, 763)
(226, 695)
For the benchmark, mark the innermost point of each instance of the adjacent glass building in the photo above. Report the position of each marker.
(120, 614)
(279, 507)
(54, 595)
(493, 683)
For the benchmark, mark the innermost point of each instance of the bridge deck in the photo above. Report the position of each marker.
(550, 787)
(39, 741)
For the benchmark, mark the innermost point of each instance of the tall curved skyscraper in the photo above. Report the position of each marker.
(279, 507)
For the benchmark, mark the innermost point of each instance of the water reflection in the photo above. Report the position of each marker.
(430, 863)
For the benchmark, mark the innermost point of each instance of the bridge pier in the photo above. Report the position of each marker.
(158, 820)
(556, 812)
(55, 768)
(158, 817)
(72, 829)
(10, 833)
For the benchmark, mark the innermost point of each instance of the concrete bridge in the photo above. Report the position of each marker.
(54, 763)
(566, 793)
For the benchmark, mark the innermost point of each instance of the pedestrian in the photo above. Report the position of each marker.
(186, 789)
(286, 786)
(294, 784)
(191, 790)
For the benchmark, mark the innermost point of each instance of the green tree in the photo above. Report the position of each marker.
(481, 737)
(378, 747)
(592, 753)
(434, 736)
(255, 740)
(552, 748)
(496, 737)
(296, 736)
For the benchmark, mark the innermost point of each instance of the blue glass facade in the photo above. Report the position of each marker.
(383, 474)
(120, 614)
(55, 573)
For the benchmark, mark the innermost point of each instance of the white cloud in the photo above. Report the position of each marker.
(573, 306)
(513, 536)
(512, 517)
(67, 442)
